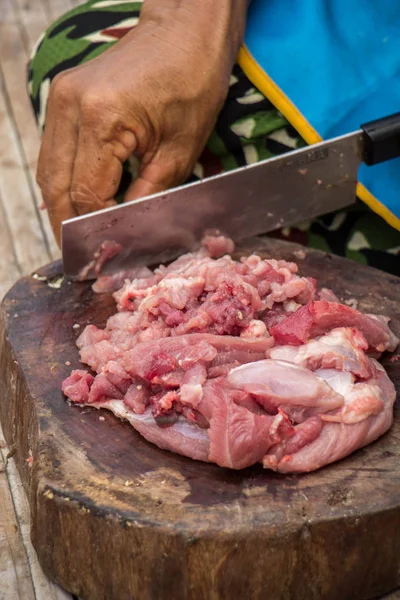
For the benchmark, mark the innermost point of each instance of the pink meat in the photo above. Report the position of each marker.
(190, 360)
(182, 437)
(278, 384)
(319, 317)
(342, 349)
(238, 437)
(77, 386)
(149, 360)
(217, 245)
(327, 295)
(338, 439)
(107, 250)
(111, 283)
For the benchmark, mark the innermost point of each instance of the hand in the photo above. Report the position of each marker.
(155, 94)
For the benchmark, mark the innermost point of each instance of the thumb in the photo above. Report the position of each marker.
(140, 188)
(167, 168)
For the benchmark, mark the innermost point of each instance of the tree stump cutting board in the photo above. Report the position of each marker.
(115, 518)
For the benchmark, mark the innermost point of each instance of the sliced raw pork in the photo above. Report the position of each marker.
(237, 362)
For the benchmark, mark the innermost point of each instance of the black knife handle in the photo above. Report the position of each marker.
(381, 139)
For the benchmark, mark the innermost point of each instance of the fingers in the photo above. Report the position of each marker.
(98, 166)
(82, 151)
(141, 188)
(56, 158)
(169, 167)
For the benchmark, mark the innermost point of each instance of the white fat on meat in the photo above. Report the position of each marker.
(191, 361)
(182, 437)
(342, 349)
(358, 424)
(277, 383)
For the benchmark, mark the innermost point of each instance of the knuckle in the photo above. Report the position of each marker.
(93, 102)
(62, 89)
(105, 108)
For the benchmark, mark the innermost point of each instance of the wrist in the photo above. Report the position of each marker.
(217, 26)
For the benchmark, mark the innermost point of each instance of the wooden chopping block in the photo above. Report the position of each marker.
(115, 518)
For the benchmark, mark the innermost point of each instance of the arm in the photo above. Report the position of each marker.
(155, 94)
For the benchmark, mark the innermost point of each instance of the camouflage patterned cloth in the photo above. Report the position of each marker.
(249, 128)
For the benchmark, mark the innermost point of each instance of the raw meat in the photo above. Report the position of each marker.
(112, 283)
(342, 348)
(279, 384)
(341, 436)
(104, 252)
(319, 317)
(237, 362)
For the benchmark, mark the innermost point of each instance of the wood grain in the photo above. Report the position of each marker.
(115, 517)
(16, 42)
(14, 571)
(25, 238)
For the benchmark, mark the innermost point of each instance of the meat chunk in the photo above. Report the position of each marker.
(342, 349)
(236, 362)
(319, 317)
(111, 283)
(279, 384)
(77, 386)
(238, 437)
(357, 424)
(107, 250)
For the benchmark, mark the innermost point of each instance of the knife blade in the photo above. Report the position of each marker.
(252, 200)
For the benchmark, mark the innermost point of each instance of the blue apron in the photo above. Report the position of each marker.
(328, 66)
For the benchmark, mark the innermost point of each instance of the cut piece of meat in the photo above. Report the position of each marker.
(362, 402)
(238, 437)
(328, 295)
(182, 437)
(190, 362)
(217, 244)
(342, 349)
(340, 381)
(107, 250)
(151, 359)
(337, 439)
(280, 384)
(77, 386)
(111, 283)
(393, 340)
(319, 317)
(98, 355)
(304, 434)
(362, 399)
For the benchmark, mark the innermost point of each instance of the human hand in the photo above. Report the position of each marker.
(155, 94)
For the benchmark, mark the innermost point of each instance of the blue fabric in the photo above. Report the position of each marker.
(338, 61)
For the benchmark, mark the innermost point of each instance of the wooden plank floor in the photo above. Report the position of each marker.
(26, 242)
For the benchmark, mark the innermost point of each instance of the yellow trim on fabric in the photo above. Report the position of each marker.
(268, 87)
(278, 98)
(377, 206)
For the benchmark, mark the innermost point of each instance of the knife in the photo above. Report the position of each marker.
(251, 200)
